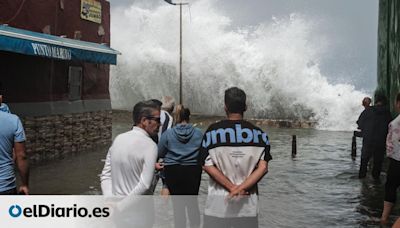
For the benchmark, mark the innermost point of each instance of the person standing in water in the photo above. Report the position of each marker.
(366, 102)
(179, 146)
(235, 154)
(130, 161)
(374, 127)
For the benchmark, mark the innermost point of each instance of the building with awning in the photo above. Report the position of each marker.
(37, 44)
(55, 59)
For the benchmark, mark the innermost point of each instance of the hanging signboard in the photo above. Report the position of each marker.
(91, 10)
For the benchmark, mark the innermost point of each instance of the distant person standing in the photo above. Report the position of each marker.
(12, 138)
(393, 173)
(167, 108)
(366, 102)
(235, 154)
(373, 123)
(167, 121)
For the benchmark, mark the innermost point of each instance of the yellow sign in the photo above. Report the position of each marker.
(91, 10)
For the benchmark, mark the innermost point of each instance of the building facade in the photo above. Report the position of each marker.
(54, 58)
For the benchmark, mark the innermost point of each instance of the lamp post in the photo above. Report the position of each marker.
(180, 44)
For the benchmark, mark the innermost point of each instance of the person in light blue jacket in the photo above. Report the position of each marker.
(179, 146)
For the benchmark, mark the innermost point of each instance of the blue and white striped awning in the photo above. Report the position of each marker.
(49, 46)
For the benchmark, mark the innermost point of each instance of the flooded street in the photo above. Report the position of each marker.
(319, 188)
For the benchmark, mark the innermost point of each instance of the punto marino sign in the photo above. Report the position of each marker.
(51, 51)
(54, 47)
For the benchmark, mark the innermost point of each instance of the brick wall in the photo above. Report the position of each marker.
(52, 137)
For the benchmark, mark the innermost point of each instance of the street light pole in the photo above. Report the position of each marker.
(180, 54)
(180, 46)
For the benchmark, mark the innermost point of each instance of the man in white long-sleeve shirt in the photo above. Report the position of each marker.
(129, 166)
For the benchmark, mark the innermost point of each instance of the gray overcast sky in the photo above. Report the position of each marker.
(352, 25)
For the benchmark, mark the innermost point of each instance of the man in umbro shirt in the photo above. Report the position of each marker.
(235, 154)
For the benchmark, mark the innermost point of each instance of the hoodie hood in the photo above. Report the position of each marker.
(183, 132)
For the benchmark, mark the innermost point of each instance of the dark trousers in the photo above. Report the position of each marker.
(392, 180)
(368, 152)
(12, 191)
(240, 222)
(184, 180)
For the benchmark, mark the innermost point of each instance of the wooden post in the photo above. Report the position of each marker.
(353, 147)
(294, 146)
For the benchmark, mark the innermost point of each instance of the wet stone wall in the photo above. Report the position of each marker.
(285, 123)
(53, 137)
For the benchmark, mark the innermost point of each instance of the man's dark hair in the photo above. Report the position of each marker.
(143, 109)
(381, 98)
(157, 102)
(235, 100)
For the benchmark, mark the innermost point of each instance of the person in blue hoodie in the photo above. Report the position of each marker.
(179, 146)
